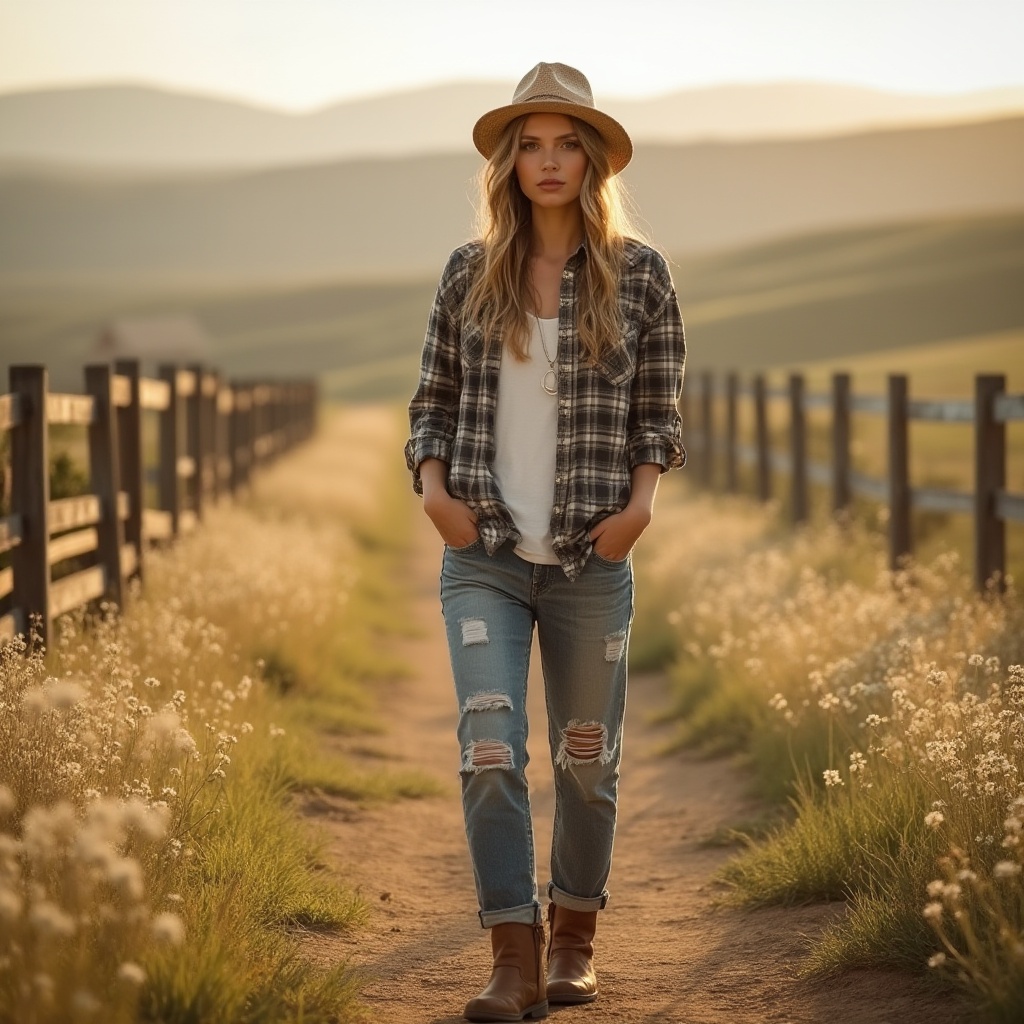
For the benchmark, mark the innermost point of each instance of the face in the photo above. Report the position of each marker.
(550, 163)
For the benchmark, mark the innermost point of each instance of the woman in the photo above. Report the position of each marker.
(544, 416)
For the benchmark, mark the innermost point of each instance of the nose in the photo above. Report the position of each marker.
(550, 159)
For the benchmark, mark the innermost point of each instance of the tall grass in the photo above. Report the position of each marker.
(151, 864)
(888, 709)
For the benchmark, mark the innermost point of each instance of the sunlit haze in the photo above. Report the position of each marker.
(304, 53)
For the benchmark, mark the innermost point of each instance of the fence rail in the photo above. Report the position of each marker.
(991, 409)
(213, 434)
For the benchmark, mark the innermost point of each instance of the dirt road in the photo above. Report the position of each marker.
(666, 953)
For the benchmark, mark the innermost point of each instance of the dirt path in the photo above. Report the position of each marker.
(666, 954)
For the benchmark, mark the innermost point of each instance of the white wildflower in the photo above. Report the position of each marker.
(168, 928)
(50, 921)
(131, 973)
(933, 911)
(1006, 869)
(832, 777)
(933, 819)
(937, 960)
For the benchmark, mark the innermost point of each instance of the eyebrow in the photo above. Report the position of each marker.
(535, 138)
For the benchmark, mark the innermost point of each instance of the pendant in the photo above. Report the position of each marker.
(550, 388)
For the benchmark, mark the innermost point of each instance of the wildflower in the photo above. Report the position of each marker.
(832, 777)
(933, 819)
(936, 888)
(975, 660)
(65, 694)
(131, 973)
(125, 875)
(148, 820)
(858, 762)
(1006, 869)
(50, 921)
(937, 960)
(873, 721)
(168, 928)
(275, 731)
(933, 911)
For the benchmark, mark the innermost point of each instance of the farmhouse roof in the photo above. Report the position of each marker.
(171, 338)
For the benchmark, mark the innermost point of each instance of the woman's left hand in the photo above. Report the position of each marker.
(615, 536)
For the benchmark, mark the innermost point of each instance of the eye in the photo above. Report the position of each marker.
(571, 144)
(527, 145)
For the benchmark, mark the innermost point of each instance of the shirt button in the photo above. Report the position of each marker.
(557, 509)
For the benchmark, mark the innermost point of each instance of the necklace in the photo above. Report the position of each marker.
(549, 382)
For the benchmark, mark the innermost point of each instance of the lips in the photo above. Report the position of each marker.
(550, 183)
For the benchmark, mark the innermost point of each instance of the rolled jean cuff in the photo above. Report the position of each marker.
(528, 913)
(584, 904)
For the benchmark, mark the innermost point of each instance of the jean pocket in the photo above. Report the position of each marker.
(601, 560)
(466, 548)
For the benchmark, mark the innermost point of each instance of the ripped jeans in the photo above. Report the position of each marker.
(490, 605)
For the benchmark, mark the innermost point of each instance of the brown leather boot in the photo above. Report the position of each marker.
(571, 977)
(516, 989)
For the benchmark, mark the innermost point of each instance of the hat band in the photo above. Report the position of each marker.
(558, 99)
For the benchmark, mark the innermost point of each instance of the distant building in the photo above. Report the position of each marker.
(154, 340)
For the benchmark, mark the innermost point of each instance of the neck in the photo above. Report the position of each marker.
(558, 232)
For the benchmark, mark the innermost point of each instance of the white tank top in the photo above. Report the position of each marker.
(525, 438)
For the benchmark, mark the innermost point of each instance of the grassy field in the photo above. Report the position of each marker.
(832, 295)
(941, 455)
(880, 712)
(151, 862)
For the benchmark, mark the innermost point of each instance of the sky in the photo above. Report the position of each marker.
(301, 54)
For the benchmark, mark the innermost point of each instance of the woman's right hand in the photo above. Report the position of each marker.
(453, 519)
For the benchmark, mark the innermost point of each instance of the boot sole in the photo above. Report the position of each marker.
(533, 1013)
(572, 1000)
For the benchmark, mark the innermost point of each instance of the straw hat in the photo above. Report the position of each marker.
(554, 89)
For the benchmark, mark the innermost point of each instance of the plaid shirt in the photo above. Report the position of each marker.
(612, 416)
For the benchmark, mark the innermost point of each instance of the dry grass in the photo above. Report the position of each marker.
(888, 708)
(150, 865)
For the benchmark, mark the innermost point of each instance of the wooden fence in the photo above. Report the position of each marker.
(212, 435)
(991, 505)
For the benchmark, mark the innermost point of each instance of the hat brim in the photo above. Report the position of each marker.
(487, 131)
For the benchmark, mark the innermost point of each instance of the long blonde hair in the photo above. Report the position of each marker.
(497, 299)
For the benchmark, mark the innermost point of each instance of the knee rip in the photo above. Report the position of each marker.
(583, 743)
(614, 645)
(474, 631)
(482, 755)
(489, 700)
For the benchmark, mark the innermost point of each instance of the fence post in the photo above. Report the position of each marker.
(841, 490)
(731, 439)
(707, 417)
(798, 448)
(899, 471)
(170, 449)
(194, 439)
(105, 483)
(764, 464)
(989, 480)
(30, 499)
(129, 445)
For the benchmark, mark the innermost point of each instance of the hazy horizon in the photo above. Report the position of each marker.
(265, 54)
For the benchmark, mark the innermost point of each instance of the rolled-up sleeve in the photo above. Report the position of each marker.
(433, 409)
(654, 431)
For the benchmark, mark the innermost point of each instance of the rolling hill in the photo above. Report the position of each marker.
(400, 217)
(827, 296)
(135, 126)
